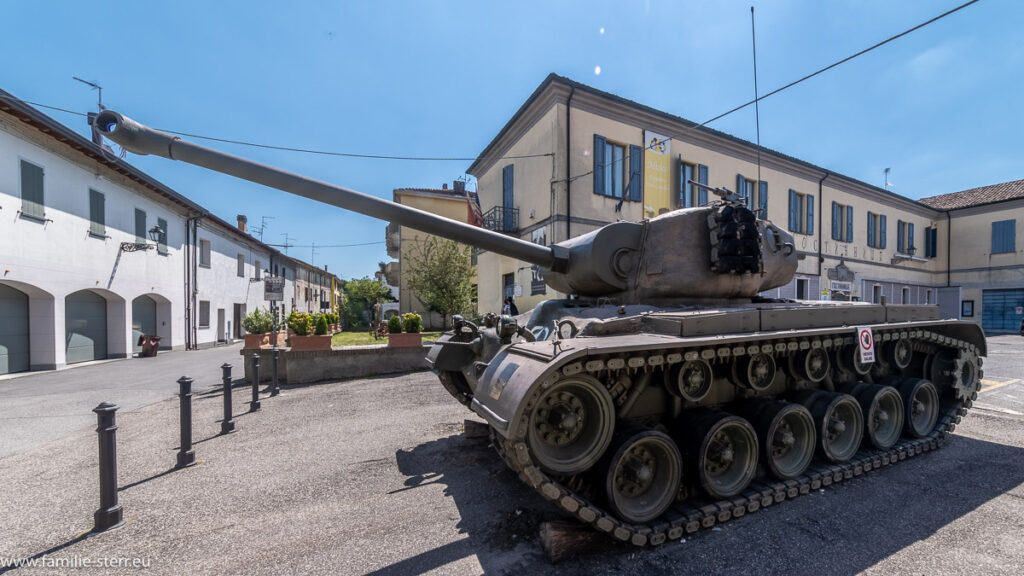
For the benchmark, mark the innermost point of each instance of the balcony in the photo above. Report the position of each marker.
(502, 219)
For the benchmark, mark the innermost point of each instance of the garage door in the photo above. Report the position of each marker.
(85, 321)
(999, 310)
(143, 320)
(13, 330)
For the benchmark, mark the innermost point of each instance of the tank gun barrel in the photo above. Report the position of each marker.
(142, 139)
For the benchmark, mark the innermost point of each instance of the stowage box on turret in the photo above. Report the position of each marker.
(666, 395)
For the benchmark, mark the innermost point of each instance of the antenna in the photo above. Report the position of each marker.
(757, 113)
(885, 179)
(286, 243)
(312, 253)
(263, 226)
(94, 86)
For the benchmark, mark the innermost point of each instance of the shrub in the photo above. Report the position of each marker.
(259, 321)
(321, 324)
(394, 324)
(300, 323)
(412, 322)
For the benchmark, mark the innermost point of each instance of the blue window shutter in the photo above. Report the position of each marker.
(871, 229)
(762, 199)
(910, 235)
(836, 224)
(810, 214)
(1012, 230)
(599, 164)
(687, 187)
(901, 230)
(881, 235)
(849, 223)
(742, 190)
(681, 189)
(636, 173)
(794, 211)
(702, 177)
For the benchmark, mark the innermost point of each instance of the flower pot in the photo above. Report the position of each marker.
(310, 342)
(405, 339)
(255, 341)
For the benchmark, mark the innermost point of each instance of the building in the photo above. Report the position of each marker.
(95, 253)
(402, 241)
(316, 289)
(574, 158)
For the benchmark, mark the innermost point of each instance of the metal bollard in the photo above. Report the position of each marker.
(227, 425)
(109, 515)
(186, 455)
(274, 389)
(254, 406)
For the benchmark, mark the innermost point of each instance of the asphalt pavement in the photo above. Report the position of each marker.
(374, 476)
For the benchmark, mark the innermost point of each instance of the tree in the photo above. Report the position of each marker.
(360, 296)
(441, 273)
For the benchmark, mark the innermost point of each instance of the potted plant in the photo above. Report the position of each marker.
(412, 324)
(258, 323)
(307, 336)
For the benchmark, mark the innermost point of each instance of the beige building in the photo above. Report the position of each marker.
(401, 241)
(574, 158)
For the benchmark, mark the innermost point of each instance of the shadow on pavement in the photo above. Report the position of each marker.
(844, 530)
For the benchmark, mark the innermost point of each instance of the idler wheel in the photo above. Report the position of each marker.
(849, 358)
(882, 407)
(813, 364)
(785, 433)
(921, 406)
(644, 469)
(900, 352)
(571, 425)
(690, 380)
(724, 449)
(756, 371)
(838, 420)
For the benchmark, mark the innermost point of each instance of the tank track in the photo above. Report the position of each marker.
(691, 515)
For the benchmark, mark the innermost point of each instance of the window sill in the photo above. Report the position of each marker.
(32, 218)
(204, 266)
(98, 236)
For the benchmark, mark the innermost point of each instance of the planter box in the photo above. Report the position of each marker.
(253, 341)
(405, 339)
(310, 342)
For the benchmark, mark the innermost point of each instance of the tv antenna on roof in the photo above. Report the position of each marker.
(94, 86)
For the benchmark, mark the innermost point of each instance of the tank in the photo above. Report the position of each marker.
(664, 395)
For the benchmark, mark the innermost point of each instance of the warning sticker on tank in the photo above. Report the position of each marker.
(866, 344)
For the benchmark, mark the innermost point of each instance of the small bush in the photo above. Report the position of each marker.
(321, 325)
(394, 324)
(259, 321)
(300, 323)
(412, 322)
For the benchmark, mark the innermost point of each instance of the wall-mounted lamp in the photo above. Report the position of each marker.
(155, 233)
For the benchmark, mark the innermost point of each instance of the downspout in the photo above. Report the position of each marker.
(568, 163)
(821, 232)
(949, 238)
(185, 250)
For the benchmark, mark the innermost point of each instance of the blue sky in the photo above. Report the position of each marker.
(939, 107)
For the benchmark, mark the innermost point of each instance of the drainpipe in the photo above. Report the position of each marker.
(949, 237)
(568, 163)
(821, 232)
(185, 249)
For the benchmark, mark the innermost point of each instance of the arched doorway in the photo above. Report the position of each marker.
(143, 320)
(14, 337)
(85, 327)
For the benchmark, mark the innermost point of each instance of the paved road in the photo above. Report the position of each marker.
(40, 407)
(374, 476)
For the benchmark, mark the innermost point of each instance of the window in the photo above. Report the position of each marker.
(931, 242)
(755, 193)
(204, 253)
(927, 296)
(204, 314)
(140, 226)
(842, 222)
(161, 243)
(691, 195)
(905, 237)
(32, 191)
(905, 296)
(1003, 237)
(967, 308)
(801, 288)
(876, 294)
(613, 175)
(876, 230)
(97, 214)
(241, 265)
(801, 213)
(508, 198)
(259, 273)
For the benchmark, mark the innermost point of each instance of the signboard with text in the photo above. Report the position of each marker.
(273, 288)
(866, 344)
(657, 174)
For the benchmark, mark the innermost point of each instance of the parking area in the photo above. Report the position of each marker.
(374, 476)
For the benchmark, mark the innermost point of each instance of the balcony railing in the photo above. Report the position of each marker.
(502, 219)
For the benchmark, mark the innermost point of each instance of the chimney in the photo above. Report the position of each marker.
(459, 186)
(325, 267)
(242, 220)
(444, 186)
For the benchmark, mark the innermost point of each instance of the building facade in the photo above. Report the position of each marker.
(573, 159)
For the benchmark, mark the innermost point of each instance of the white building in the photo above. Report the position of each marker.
(77, 279)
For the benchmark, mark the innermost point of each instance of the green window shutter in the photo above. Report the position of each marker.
(636, 173)
(599, 184)
(161, 245)
(810, 214)
(32, 190)
(910, 236)
(762, 199)
(97, 213)
(140, 226)
(881, 234)
(871, 229)
(849, 223)
(702, 177)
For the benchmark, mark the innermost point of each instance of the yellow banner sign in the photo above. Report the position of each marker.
(657, 174)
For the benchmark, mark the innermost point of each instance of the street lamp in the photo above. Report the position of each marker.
(155, 234)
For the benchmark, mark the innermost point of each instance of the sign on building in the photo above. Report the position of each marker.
(537, 286)
(842, 286)
(657, 174)
(273, 288)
